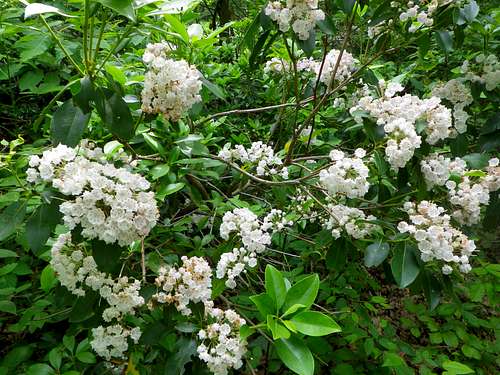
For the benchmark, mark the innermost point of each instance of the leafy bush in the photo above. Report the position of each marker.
(249, 187)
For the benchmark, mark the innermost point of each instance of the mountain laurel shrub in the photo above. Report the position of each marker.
(284, 187)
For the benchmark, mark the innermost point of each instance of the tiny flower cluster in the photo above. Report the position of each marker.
(280, 66)
(436, 238)
(345, 67)
(260, 155)
(254, 235)
(112, 341)
(221, 344)
(349, 219)
(458, 94)
(469, 193)
(76, 271)
(170, 87)
(110, 203)
(484, 69)
(300, 15)
(346, 176)
(399, 115)
(192, 282)
(416, 12)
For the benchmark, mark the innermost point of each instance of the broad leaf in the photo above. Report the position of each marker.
(122, 7)
(404, 265)
(107, 256)
(303, 293)
(264, 304)
(115, 113)
(275, 286)
(295, 355)
(445, 40)
(68, 124)
(10, 218)
(278, 330)
(40, 226)
(313, 323)
(185, 348)
(456, 368)
(376, 253)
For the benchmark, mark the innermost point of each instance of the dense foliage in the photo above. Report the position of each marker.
(300, 186)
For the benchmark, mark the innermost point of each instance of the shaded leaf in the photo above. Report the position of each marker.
(68, 124)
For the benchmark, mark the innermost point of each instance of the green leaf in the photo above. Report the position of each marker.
(8, 307)
(275, 286)
(313, 323)
(278, 330)
(10, 218)
(47, 278)
(86, 357)
(393, 360)
(456, 368)
(8, 268)
(40, 369)
(404, 265)
(122, 7)
(159, 171)
(40, 226)
(115, 113)
(348, 5)
(185, 348)
(69, 343)
(293, 309)
(308, 45)
(303, 293)
(376, 253)
(55, 357)
(295, 355)
(214, 89)
(86, 94)
(83, 309)
(264, 304)
(107, 256)
(471, 352)
(178, 27)
(68, 124)
(445, 40)
(432, 289)
(173, 188)
(32, 45)
(4, 253)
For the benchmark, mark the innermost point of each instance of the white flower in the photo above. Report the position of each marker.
(344, 70)
(300, 15)
(111, 341)
(349, 219)
(170, 87)
(195, 31)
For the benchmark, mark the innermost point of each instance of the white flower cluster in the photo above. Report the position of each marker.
(436, 238)
(254, 235)
(485, 70)
(110, 203)
(437, 169)
(349, 219)
(416, 12)
(76, 271)
(279, 66)
(344, 70)
(399, 115)
(469, 193)
(300, 15)
(192, 282)
(170, 87)
(346, 176)
(112, 341)
(221, 345)
(259, 154)
(458, 94)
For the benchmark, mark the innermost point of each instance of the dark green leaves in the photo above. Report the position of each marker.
(313, 323)
(303, 293)
(10, 218)
(404, 265)
(107, 256)
(185, 348)
(40, 226)
(445, 40)
(115, 113)
(122, 7)
(376, 253)
(68, 124)
(264, 304)
(275, 286)
(295, 355)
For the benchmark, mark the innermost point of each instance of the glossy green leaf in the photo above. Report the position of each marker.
(295, 355)
(10, 218)
(275, 286)
(68, 124)
(404, 265)
(278, 330)
(264, 304)
(47, 278)
(8, 307)
(376, 253)
(86, 357)
(456, 368)
(107, 256)
(393, 360)
(303, 292)
(40, 226)
(313, 323)
(445, 40)
(122, 7)
(115, 113)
